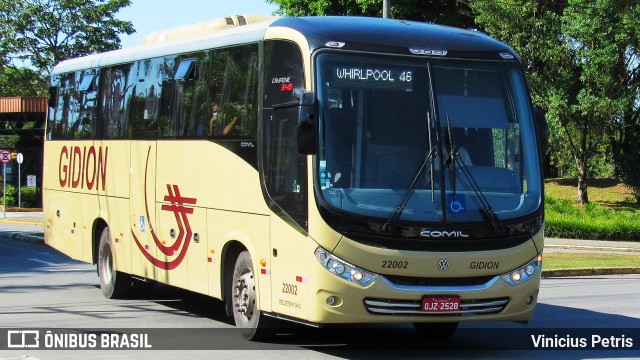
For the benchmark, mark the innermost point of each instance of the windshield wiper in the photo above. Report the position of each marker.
(469, 181)
(427, 162)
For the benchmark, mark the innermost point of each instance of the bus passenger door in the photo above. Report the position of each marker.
(286, 182)
(144, 260)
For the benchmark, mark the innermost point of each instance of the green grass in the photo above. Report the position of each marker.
(612, 213)
(558, 261)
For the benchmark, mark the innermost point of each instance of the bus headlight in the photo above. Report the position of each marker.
(524, 273)
(343, 269)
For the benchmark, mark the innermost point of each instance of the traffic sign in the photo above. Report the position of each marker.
(19, 158)
(5, 156)
(31, 181)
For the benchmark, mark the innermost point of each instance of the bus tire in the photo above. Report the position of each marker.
(436, 330)
(114, 284)
(248, 318)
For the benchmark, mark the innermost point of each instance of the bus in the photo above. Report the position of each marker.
(322, 170)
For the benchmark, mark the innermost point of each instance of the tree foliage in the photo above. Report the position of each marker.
(22, 82)
(446, 12)
(579, 56)
(42, 33)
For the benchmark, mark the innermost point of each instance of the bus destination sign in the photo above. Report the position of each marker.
(372, 77)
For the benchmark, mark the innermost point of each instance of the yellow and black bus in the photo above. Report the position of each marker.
(320, 170)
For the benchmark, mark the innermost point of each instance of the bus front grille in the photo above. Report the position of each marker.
(413, 307)
(442, 281)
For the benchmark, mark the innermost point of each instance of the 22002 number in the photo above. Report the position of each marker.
(395, 264)
(289, 289)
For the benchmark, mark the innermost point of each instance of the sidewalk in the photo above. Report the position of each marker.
(32, 218)
(550, 244)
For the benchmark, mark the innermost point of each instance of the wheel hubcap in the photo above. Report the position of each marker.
(106, 266)
(245, 295)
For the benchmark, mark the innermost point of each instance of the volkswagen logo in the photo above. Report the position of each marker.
(443, 265)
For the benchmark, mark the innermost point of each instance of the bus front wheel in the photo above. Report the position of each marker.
(114, 284)
(248, 318)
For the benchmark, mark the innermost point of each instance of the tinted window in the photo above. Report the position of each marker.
(285, 171)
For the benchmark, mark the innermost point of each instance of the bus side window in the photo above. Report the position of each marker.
(147, 75)
(232, 91)
(59, 118)
(85, 117)
(285, 171)
(115, 89)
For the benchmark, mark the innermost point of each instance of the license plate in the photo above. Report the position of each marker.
(439, 304)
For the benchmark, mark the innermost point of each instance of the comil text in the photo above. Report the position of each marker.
(83, 167)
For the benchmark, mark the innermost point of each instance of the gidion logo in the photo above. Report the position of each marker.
(83, 167)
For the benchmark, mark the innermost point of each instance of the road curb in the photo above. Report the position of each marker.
(593, 248)
(24, 222)
(590, 272)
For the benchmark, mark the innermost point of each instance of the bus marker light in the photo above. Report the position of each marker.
(263, 262)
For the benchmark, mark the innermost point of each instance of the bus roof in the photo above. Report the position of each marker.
(184, 39)
(395, 36)
(349, 33)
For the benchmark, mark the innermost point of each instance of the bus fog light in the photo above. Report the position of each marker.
(529, 300)
(331, 300)
(524, 273)
(343, 269)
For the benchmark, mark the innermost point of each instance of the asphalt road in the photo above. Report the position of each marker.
(43, 289)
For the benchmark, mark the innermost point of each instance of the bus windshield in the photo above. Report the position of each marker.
(468, 124)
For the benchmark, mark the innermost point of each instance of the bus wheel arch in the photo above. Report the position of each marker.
(98, 226)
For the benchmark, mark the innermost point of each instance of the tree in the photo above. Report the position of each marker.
(22, 82)
(574, 54)
(41, 33)
(445, 12)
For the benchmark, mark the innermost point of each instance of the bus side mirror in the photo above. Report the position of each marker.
(307, 119)
(542, 131)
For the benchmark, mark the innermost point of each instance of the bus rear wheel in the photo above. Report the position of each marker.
(114, 284)
(248, 318)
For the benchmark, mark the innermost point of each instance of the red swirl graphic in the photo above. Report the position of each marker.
(184, 228)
